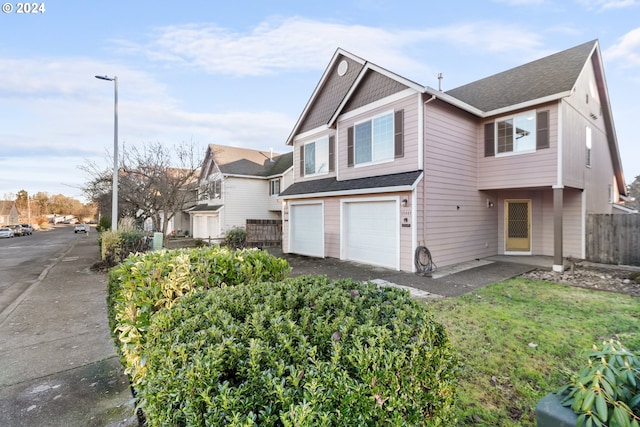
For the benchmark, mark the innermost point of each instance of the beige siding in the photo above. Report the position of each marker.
(520, 170)
(459, 225)
(598, 179)
(542, 227)
(332, 227)
(245, 198)
(407, 163)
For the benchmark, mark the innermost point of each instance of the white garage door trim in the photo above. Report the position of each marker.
(373, 237)
(306, 228)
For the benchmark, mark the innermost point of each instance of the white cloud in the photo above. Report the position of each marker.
(627, 49)
(602, 5)
(299, 44)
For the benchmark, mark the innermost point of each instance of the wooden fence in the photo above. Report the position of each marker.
(263, 233)
(613, 238)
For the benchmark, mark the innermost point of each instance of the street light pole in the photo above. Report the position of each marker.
(114, 199)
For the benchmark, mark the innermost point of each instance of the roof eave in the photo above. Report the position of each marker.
(527, 104)
(354, 192)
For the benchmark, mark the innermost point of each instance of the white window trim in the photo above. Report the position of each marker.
(514, 116)
(325, 137)
(588, 147)
(371, 119)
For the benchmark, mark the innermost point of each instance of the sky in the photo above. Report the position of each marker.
(240, 73)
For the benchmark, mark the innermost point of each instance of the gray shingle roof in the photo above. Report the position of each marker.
(330, 185)
(548, 76)
(244, 161)
(204, 208)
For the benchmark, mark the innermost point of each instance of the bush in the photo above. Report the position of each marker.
(607, 392)
(235, 238)
(104, 224)
(116, 246)
(303, 352)
(146, 282)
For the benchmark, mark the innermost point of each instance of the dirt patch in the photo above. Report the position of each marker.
(602, 279)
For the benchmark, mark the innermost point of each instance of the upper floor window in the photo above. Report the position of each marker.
(316, 157)
(524, 133)
(210, 190)
(588, 146)
(274, 187)
(516, 134)
(376, 140)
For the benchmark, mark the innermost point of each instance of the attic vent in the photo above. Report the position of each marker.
(342, 68)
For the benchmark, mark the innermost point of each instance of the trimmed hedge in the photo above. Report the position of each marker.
(303, 352)
(147, 282)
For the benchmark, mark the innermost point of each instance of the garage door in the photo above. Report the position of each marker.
(371, 232)
(306, 229)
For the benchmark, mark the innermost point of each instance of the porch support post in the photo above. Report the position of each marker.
(558, 263)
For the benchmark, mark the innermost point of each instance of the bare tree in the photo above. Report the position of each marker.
(155, 181)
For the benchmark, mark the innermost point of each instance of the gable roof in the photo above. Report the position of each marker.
(340, 80)
(551, 76)
(248, 162)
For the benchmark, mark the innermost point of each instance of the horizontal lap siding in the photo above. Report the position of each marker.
(332, 227)
(455, 234)
(572, 227)
(244, 199)
(520, 170)
(542, 227)
(408, 162)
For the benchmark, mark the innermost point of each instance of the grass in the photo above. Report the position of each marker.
(520, 339)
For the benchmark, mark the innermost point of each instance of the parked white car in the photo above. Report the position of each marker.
(6, 232)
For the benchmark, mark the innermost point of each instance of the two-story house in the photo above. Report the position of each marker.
(8, 212)
(510, 164)
(237, 184)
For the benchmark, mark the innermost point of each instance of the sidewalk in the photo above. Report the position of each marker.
(58, 365)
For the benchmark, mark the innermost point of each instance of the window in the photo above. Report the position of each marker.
(274, 187)
(210, 190)
(516, 134)
(316, 157)
(374, 140)
(524, 133)
(588, 146)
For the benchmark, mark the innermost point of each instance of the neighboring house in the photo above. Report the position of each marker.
(183, 191)
(510, 164)
(237, 184)
(9, 214)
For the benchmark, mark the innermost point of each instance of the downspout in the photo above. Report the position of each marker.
(558, 190)
(421, 151)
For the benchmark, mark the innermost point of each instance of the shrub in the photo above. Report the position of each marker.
(145, 283)
(607, 392)
(235, 238)
(302, 352)
(116, 246)
(104, 224)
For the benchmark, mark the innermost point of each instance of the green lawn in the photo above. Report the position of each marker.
(519, 340)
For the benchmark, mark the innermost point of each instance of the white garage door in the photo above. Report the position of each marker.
(306, 229)
(371, 232)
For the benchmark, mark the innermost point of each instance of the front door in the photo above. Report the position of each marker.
(518, 225)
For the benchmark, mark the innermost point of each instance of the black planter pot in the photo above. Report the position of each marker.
(550, 413)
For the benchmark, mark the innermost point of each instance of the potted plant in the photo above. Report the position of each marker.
(604, 393)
